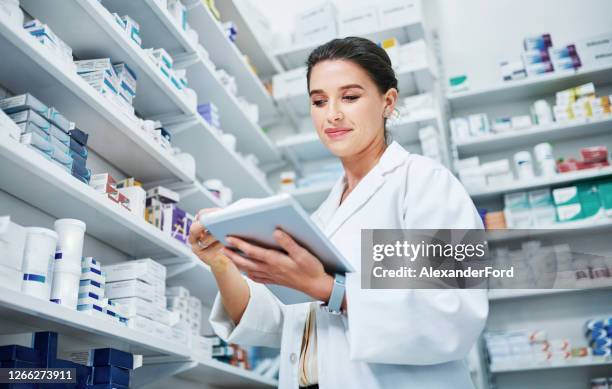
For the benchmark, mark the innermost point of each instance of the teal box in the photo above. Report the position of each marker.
(605, 195)
(590, 200)
(516, 200)
(539, 198)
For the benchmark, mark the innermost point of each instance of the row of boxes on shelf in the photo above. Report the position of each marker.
(101, 368)
(543, 207)
(48, 264)
(575, 104)
(324, 22)
(546, 267)
(48, 132)
(475, 175)
(325, 175)
(507, 349)
(541, 57)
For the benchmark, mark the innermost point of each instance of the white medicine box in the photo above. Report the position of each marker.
(357, 21)
(399, 12)
(596, 50)
(291, 83)
(12, 243)
(316, 24)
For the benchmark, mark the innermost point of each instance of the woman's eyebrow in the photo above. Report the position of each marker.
(349, 86)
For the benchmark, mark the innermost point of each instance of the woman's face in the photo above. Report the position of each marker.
(347, 108)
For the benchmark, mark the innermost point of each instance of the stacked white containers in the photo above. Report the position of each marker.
(38, 260)
(67, 267)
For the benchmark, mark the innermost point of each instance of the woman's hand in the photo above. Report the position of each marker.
(204, 245)
(298, 269)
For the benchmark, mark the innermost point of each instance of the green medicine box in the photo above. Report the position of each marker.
(605, 194)
(590, 200)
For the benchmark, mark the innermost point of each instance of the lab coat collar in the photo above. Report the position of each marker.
(333, 215)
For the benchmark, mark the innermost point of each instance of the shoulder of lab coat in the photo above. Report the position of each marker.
(260, 325)
(419, 327)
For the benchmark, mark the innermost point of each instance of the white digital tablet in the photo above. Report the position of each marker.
(255, 220)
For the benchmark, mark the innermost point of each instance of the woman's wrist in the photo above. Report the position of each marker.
(321, 288)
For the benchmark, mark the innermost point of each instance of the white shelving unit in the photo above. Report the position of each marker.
(159, 29)
(27, 313)
(537, 182)
(530, 87)
(94, 33)
(558, 365)
(294, 56)
(530, 136)
(585, 226)
(509, 294)
(111, 134)
(67, 197)
(42, 185)
(228, 57)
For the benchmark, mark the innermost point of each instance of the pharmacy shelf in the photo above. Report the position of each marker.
(308, 147)
(196, 277)
(311, 197)
(224, 375)
(23, 313)
(410, 82)
(545, 133)
(50, 188)
(587, 226)
(250, 136)
(226, 56)
(530, 87)
(538, 182)
(511, 294)
(194, 197)
(247, 40)
(157, 27)
(582, 362)
(94, 33)
(296, 55)
(111, 134)
(203, 142)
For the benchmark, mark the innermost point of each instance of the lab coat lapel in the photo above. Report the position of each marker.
(366, 188)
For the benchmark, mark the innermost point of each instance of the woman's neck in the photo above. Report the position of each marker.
(357, 166)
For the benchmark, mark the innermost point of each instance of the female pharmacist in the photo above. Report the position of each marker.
(382, 338)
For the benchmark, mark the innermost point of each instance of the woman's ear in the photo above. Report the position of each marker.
(390, 99)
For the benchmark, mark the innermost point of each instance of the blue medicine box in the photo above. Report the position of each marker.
(113, 357)
(19, 353)
(81, 171)
(80, 136)
(111, 375)
(46, 344)
(77, 148)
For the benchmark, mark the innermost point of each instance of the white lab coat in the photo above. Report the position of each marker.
(389, 338)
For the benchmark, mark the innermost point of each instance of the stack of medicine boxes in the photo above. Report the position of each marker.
(130, 26)
(105, 184)
(164, 62)
(138, 286)
(188, 307)
(578, 202)
(116, 83)
(45, 344)
(47, 131)
(164, 214)
(111, 368)
(91, 291)
(210, 113)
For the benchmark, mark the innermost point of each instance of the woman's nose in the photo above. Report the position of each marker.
(334, 114)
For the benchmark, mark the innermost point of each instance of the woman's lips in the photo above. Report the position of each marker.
(337, 132)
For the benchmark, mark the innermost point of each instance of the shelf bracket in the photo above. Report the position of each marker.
(158, 368)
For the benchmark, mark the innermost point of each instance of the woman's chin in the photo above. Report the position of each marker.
(342, 148)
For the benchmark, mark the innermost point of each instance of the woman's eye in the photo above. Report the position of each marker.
(318, 103)
(351, 98)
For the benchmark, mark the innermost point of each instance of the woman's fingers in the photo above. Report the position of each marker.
(253, 251)
(285, 240)
(243, 264)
